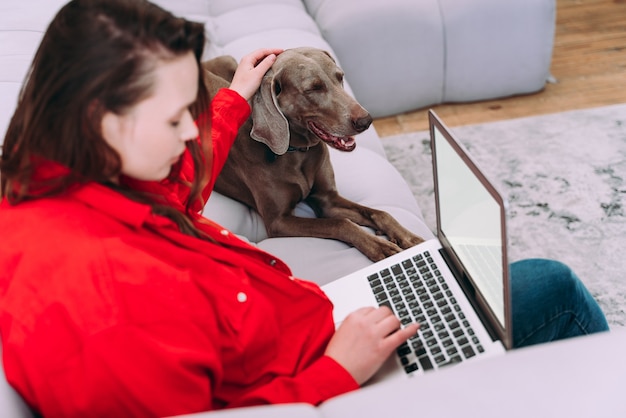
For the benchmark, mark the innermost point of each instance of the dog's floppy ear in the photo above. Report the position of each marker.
(269, 125)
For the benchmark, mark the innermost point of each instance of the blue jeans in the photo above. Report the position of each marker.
(549, 302)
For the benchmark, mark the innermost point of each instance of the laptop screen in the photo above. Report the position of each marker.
(471, 222)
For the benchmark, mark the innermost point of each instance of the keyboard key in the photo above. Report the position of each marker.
(378, 289)
(385, 303)
(452, 351)
(381, 297)
(425, 362)
(396, 269)
(372, 277)
(421, 351)
(468, 351)
(431, 342)
(403, 350)
(411, 368)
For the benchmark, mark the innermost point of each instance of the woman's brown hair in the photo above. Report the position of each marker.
(96, 56)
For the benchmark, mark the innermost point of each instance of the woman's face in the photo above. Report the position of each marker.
(151, 136)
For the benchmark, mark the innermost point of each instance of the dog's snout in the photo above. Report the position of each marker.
(362, 123)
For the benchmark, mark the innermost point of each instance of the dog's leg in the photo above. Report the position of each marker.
(382, 222)
(332, 205)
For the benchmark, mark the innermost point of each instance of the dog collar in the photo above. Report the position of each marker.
(301, 149)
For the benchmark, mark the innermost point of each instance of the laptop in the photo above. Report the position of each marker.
(456, 285)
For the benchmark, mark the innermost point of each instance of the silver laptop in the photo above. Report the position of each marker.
(455, 286)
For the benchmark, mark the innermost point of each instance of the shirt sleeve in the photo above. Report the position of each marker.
(229, 112)
(322, 380)
(128, 371)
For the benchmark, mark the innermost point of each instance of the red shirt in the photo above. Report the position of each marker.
(108, 310)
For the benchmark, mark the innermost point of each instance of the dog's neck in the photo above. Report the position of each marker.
(298, 149)
(271, 156)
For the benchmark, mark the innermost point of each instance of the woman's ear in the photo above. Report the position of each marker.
(113, 129)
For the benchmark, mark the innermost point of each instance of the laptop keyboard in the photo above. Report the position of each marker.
(415, 291)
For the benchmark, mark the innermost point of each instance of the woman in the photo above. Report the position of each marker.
(117, 297)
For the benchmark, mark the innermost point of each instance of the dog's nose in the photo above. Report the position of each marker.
(361, 124)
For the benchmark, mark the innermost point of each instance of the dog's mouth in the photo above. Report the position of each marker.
(342, 143)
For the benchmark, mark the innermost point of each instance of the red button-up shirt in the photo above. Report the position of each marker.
(108, 310)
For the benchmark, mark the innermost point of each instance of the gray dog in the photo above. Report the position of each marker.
(280, 156)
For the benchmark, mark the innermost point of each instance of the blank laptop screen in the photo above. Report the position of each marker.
(470, 219)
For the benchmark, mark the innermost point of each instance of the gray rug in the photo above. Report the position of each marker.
(564, 177)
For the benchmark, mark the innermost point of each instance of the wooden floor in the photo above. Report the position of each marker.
(588, 63)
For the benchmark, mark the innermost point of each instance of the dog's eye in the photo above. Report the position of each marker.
(340, 77)
(316, 87)
(277, 88)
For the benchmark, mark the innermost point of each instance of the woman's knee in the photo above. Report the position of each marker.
(553, 277)
(550, 288)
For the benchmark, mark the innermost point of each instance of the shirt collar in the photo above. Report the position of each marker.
(96, 195)
(113, 204)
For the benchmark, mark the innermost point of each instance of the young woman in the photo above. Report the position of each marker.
(117, 298)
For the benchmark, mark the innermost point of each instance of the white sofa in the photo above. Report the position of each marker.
(398, 55)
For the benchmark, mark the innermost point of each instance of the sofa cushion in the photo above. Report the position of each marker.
(22, 25)
(392, 50)
(504, 49)
(402, 55)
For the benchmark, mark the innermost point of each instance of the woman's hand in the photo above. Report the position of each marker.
(251, 70)
(365, 339)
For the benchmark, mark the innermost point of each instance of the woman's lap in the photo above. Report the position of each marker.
(549, 302)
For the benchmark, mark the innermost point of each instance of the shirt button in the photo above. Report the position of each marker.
(273, 262)
(242, 297)
(224, 232)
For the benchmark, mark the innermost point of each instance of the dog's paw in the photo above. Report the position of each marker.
(408, 240)
(379, 248)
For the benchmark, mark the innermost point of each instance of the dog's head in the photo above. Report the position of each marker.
(303, 93)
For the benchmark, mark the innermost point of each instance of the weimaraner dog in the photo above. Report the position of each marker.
(280, 156)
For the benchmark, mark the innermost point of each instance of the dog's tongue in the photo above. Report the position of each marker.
(342, 143)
